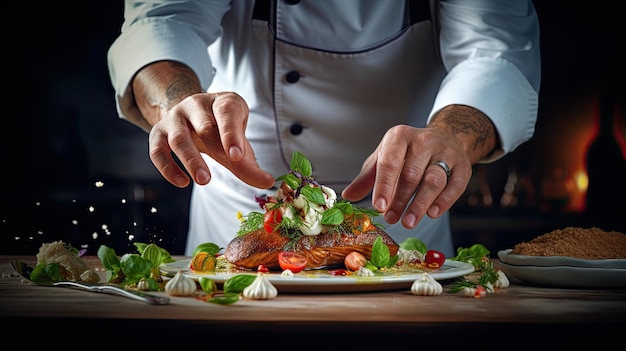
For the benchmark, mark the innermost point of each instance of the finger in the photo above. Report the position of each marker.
(178, 132)
(428, 200)
(248, 170)
(432, 184)
(409, 181)
(231, 115)
(161, 157)
(183, 145)
(222, 132)
(456, 185)
(207, 133)
(391, 160)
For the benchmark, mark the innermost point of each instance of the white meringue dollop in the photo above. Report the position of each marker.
(260, 289)
(502, 282)
(426, 285)
(181, 285)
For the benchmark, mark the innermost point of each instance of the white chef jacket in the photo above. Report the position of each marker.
(330, 77)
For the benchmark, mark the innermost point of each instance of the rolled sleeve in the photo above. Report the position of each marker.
(490, 50)
(498, 89)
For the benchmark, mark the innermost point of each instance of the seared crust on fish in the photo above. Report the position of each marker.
(325, 250)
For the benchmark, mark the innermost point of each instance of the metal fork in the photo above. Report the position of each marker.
(133, 294)
(25, 270)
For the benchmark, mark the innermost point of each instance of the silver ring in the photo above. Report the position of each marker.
(445, 168)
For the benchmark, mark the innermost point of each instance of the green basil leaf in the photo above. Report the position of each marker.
(153, 254)
(135, 267)
(109, 258)
(226, 299)
(208, 285)
(237, 283)
(414, 244)
(314, 194)
(42, 272)
(292, 181)
(345, 207)
(380, 253)
(300, 163)
(140, 247)
(332, 216)
(111, 263)
(392, 261)
(53, 270)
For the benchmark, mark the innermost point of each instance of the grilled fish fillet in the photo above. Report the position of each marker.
(325, 250)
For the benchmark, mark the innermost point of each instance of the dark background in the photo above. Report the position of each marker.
(63, 136)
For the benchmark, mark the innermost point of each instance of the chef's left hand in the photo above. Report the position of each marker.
(400, 173)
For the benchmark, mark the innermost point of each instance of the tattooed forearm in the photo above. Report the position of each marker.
(470, 121)
(471, 124)
(160, 86)
(182, 83)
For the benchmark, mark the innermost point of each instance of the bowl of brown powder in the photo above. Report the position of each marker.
(571, 246)
(569, 257)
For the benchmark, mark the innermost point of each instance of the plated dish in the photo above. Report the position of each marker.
(551, 261)
(320, 281)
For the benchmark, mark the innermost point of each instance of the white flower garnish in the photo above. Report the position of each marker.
(260, 289)
(426, 285)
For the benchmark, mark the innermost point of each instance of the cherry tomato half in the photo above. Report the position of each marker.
(292, 261)
(271, 220)
(354, 260)
(434, 259)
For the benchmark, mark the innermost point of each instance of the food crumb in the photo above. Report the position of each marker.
(576, 242)
(72, 266)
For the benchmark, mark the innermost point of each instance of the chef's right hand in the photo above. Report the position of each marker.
(186, 121)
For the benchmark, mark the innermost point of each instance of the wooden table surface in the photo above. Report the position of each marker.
(552, 316)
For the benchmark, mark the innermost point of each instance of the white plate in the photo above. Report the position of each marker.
(320, 281)
(567, 276)
(550, 261)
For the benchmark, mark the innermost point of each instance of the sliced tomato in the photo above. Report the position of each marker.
(271, 220)
(434, 259)
(292, 261)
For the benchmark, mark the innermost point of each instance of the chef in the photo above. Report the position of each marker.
(392, 101)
